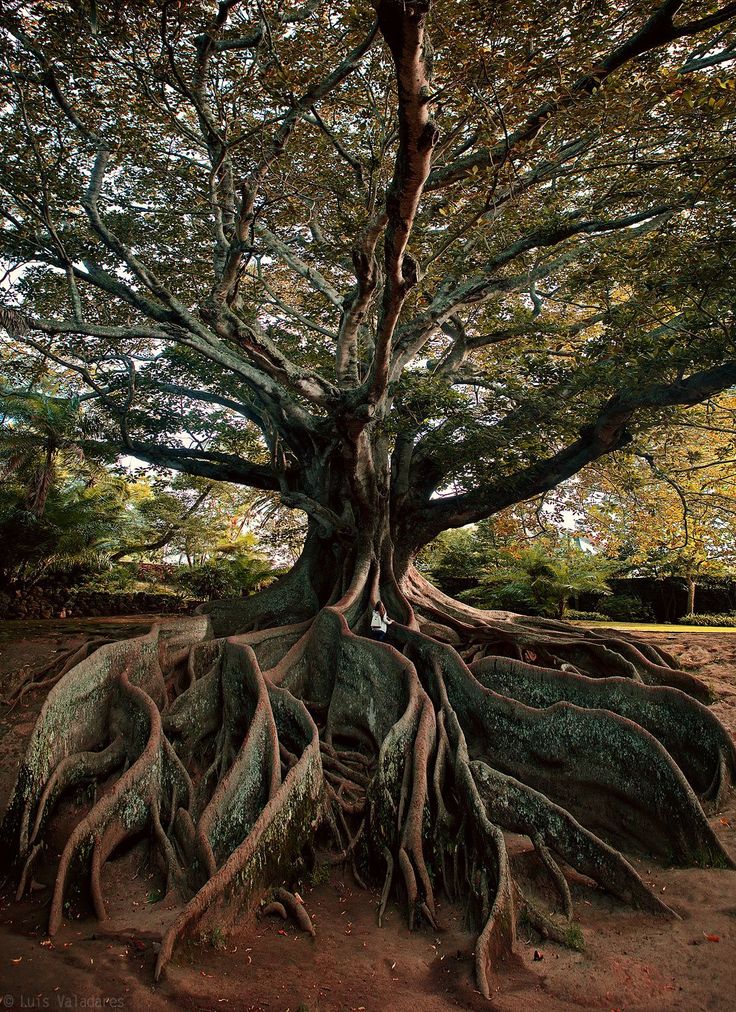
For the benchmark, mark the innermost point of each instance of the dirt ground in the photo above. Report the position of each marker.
(631, 961)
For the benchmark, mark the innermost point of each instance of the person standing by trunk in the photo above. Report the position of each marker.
(379, 622)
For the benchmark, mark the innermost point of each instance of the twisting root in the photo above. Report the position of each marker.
(388, 856)
(66, 662)
(237, 759)
(543, 923)
(296, 909)
(75, 769)
(275, 910)
(27, 869)
(559, 880)
(353, 841)
(122, 812)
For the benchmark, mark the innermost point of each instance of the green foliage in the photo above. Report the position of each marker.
(455, 554)
(79, 527)
(456, 558)
(112, 580)
(226, 577)
(320, 874)
(62, 510)
(573, 247)
(666, 509)
(542, 578)
(217, 939)
(38, 439)
(626, 608)
(727, 620)
(574, 938)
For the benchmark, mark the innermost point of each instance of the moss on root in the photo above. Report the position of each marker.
(244, 757)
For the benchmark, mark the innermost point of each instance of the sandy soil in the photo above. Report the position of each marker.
(631, 961)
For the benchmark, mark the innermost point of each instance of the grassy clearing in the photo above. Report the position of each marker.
(655, 627)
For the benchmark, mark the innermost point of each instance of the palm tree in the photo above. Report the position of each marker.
(38, 434)
(543, 577)
(81, 525)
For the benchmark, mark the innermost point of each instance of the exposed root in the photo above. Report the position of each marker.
(693, 736)
(41, 679)
(296, 909)
(275, 910)
(76, 769)
(385, 892)
(26, 873)
(353, 841)
(234, 758)
(529, 913)
(559, 880)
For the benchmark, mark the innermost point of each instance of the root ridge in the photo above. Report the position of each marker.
(244, 757)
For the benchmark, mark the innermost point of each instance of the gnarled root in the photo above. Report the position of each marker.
(240, 755)
(297, 910)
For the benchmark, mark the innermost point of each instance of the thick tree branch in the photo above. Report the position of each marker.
(310, 274)
(249, 188)
(607, 433)
(357, 304)
(206, 464)
(169, 533)
(659, 30)
(485, 283)
(403, 29)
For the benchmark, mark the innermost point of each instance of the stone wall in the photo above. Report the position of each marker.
(51, 601)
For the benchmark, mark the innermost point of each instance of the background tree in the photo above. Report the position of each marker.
(405, 285)
(667, 509)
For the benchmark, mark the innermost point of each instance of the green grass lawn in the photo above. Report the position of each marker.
(655, 627)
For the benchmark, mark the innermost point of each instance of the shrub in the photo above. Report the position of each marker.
(586, 616)
(727, 620)
(510, 597)
(626, 608)
(117, 579)
(541, 579)
(226, 578)
(209, 581)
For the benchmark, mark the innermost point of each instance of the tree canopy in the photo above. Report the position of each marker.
(247, 234)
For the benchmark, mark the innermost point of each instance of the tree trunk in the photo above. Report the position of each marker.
(273, 728)
(691, 587)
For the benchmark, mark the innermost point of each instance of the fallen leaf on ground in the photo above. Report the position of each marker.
(712, 938)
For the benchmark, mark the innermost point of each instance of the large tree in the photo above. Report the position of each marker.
(403, 284)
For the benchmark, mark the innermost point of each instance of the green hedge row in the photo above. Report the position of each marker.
(728, 620)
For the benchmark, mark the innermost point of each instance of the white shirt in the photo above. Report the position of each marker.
(379, 621)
